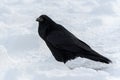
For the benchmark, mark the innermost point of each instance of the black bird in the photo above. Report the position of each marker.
(63, 44)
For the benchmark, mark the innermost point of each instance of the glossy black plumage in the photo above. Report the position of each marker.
(63, 44)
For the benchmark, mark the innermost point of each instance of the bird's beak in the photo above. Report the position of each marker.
(37, 19)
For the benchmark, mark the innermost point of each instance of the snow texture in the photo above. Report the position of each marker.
(24, 55)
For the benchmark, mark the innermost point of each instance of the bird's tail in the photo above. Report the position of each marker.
(97, 57)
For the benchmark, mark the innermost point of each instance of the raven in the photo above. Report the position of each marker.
(63, 44)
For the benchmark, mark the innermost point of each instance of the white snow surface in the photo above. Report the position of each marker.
(87, 63)
(25, 56)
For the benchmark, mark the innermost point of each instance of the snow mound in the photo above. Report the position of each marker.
(87, 63)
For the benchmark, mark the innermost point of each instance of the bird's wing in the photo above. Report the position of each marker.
(66, 41)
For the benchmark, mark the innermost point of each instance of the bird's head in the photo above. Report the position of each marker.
(44, 23)
(44, 19)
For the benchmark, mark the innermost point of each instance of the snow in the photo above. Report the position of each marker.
(87, 63)
(24, 55)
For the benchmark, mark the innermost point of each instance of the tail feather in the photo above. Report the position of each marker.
(102, 59)
(97, 57)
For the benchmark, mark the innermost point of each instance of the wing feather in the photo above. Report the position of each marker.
(66, 41)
